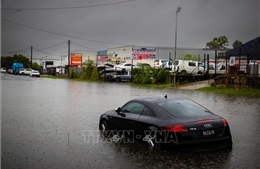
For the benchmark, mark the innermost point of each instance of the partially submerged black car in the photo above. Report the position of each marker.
(168, 121)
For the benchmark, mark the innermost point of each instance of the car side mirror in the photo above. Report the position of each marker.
(118, 111)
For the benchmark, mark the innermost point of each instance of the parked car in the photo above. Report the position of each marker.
(168, 65)
(140, 65)
(25, 71)
(35, 73)
(124, 67)
(168, 121)
(159, 62)
(3, 70)
(10, 71)
(121, 77)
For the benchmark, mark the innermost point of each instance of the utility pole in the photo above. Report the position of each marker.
(174, 75)
(68, 57)
(31, 55)
(215, 63)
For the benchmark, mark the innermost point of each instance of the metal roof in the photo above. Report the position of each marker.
(250, 49)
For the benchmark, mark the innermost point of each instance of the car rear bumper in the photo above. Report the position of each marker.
(204, 144)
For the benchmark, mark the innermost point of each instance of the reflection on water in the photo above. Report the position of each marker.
(43, 120)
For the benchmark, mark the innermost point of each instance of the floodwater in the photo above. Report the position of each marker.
(53, 123)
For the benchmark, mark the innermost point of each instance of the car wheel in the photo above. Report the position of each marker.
(103, 127)
(183, 72)
(118, 79)
(152, 141)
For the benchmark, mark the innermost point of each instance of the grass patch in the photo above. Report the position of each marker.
(232, 91)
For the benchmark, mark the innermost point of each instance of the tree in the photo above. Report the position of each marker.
(35, 66)
(6, 61)
(22, 59)
(218, 43)
(237, 43)
(190, 57)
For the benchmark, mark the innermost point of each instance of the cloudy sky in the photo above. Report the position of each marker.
(93, 25)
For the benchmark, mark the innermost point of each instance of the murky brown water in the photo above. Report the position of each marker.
(45, 121)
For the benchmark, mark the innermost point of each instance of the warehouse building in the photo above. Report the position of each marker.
(147, 54)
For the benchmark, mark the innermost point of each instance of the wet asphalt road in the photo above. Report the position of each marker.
(46, 124)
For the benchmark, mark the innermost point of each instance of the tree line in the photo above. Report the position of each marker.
(7, 61)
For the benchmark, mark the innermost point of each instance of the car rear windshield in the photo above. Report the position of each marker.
(183, 108)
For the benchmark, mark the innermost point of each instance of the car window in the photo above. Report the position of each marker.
(192, 64)
(133, 107)
(183, 108)
(147, 112)
(155, 61)
(176, 63)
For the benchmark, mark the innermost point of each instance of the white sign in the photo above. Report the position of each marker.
(232, 61)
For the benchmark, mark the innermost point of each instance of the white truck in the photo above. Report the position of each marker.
(188, 67)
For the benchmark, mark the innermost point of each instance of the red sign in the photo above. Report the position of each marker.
(143, 53)
(102, 58)
(76, 59)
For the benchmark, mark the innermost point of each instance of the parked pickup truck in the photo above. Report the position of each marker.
(25, 71)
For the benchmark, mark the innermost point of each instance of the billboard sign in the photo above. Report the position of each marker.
(144, 53)
(76, 59)
(102, 58)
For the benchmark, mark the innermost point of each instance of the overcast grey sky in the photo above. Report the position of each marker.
(47, 25)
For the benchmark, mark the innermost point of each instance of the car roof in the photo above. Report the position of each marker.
(157, 98)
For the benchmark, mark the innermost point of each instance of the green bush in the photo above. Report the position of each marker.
(147, 75)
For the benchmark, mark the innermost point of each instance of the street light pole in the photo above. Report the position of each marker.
(178, 10)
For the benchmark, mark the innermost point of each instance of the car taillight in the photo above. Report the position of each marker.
(177, 128)
(204, 121)
(225, 122)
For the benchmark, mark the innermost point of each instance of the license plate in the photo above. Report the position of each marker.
(208, 132)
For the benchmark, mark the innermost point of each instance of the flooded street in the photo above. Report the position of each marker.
(46, 123)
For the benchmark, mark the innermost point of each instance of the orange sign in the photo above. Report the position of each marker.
(76, 59)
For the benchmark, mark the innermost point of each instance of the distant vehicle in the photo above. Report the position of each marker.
(168, 65)
(3, 70)
(25, 71)
(162, 121)
(140, 65)
(35, 73)
(16, 67)
(220, 67)
(160, 62)
(188, 67)
(122, 77)
(124, 67)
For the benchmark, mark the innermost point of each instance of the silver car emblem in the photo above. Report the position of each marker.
(208, 125)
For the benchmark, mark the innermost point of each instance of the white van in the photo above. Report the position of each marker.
(159, 62)
(188, 66)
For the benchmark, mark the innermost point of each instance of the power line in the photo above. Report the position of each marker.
(84, 46)
(41, 51)
(9, 8)
(10, 13)
(68, 36)
(11, 5)
(85, 6)
(18, 51)
(53, 46)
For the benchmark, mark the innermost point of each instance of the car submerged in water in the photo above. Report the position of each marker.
(162, 121)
